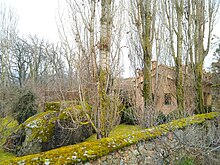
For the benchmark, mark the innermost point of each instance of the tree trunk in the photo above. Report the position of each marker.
(103, 80)
(147, 50)
(199, 19)
(174, 13)
(199, 90)
(178, 61)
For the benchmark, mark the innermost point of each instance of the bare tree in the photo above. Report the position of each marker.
(93, 46)
(8, 33)
(174, 11)
(201, 17)
(143, 17)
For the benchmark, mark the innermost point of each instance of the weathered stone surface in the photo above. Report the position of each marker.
(161, 149)
(45, 131)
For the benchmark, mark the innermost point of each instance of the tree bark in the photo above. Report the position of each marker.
(178, 60)
(104, 72)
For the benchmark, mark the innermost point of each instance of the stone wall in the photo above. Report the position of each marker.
(197, 136)
(195, 141)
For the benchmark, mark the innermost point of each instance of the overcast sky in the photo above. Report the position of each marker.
(39, 17)
(36, 17)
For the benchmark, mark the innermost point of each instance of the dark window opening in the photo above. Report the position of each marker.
(167, 99)
(152, 96)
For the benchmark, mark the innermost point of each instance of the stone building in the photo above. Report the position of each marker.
(164, 88)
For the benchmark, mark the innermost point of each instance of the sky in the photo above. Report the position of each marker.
(38, 17)
(209, 57)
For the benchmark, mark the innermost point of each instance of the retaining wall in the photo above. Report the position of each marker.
(163, 144)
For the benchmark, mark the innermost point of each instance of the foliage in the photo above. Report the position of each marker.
(176, 114)
(161, 118)
(128, 116)
(185, 161)
(62, 105)
(25, 107)
(5, 155)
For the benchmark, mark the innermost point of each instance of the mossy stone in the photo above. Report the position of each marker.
(47, 130)
(92, 150)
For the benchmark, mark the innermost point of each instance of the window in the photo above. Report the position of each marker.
(167, 99)
(152, 96)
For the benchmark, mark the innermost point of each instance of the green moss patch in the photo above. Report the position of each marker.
(92, 150)
(5, 155)
(119, 130)
(52, 106)
(7, 126)
(41, 126)
(61, 105)
(37, 133)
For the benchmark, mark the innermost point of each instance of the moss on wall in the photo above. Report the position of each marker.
(62, 105)
(52, 106)
(91, 150)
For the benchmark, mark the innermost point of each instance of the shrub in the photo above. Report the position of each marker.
(160, 119)
(128, 116)
(25, 107)
(185, 161)
(174, 115)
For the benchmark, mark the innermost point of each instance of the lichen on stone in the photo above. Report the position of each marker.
(41, 126)
(40, 132)
(86, 151)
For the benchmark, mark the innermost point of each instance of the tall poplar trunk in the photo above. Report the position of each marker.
(147, 81)
(199, 53)
(92, 38)
(178, 61)
(104, 72)
(147, 50)
(199, 89)
(203, 14)
(174, 13)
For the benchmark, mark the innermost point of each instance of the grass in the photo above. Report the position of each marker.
(121, 129)
(7, 126)
(5, 155)
(186, 161)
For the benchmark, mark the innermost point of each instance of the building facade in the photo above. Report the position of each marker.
(164, 89)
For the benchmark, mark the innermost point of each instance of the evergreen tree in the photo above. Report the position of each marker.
(25, 107)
